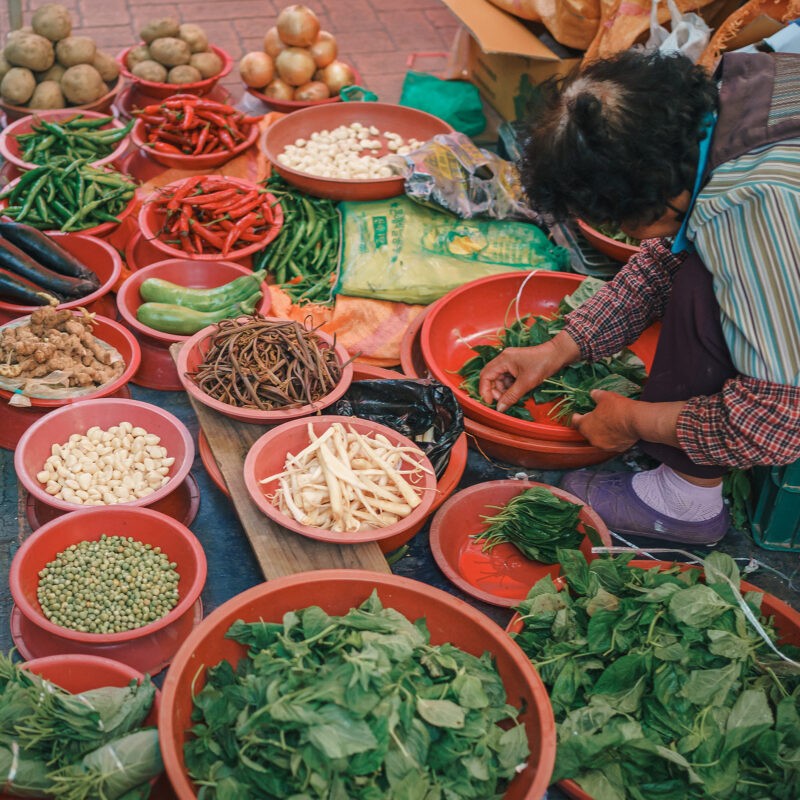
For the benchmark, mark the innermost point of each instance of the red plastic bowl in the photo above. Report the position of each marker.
(15, 420)
(158, 370)
(336, 591)
(619, 251)
(784, 617)
(102, 230)
(10, 147)
(408, 122)
(35, 445)
(194, 350)
(141, 253)
(102, 104)
(189, 162)
(503, 576)
(472, 315)
(96, 254)
(150, 224)
(268, 455)
(148, 648)
(162, 90)
(287, 106)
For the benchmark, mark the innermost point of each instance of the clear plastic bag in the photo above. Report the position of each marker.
(689, 33)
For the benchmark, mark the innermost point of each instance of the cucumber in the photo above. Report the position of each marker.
(20, 263)
(46, 251)
(183, 321)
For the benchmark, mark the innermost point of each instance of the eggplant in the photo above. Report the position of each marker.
(46, 251)
(14, 290)
(15, 260)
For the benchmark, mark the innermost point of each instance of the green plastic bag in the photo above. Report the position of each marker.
(398, 250)
(456, 102)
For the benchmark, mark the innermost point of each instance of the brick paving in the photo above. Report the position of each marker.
(376, 36)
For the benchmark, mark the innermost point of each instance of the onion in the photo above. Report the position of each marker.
(279, 90)
(295, 66)
(272, 43)
(256, 69)
(312, 91)
(298, 26)
(324, 50)
(336, 75)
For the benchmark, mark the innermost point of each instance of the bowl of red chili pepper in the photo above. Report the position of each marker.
(159, 90)
(190, 132)
(208, 217)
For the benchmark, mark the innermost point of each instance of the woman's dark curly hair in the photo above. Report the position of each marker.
(618, 139)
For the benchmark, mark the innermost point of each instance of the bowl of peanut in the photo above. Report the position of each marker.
(104, 452)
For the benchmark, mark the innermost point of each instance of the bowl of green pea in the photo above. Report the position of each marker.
(123, 583)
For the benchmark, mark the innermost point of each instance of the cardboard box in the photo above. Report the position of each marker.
(502, 57)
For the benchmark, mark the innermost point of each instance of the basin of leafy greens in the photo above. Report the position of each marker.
(353, 707)
(662, 688)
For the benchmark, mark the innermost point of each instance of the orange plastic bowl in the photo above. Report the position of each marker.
(35, 445)
(189, 162)
(287, 106)
(148, 648)
(336, 591)
(619, 251)
(97, 255)
(150, 223)
(503, 576)
(472, 315)
(268, 454)
(15, 420)
(103, 104)
(102, 230)
(160, 91)
(11, 150)
(141, 253)
(408, 122)
(194, 350)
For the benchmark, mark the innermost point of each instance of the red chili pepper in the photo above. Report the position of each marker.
(211, 144)
(188, 116)
(213, 116)
(202, 139)
(205, 104)
(266, 210)
(184, 191)
(166, 147)
(212, 198)
(179, 102)
(249, 120)
(207, 235)
(249, 202)
(233, 234)
(226, 139)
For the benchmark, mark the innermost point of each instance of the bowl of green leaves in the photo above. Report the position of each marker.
(610, 240)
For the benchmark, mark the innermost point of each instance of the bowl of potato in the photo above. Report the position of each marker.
(45, 66)
(174, 57)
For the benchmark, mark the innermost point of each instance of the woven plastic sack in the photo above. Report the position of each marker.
(571, 22)
(398, 250)
(458, 103)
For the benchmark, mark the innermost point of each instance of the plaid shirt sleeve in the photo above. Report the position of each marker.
(622, 309)
(749, 422)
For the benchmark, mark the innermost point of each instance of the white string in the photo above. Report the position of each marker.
(12, 770)
(746, 610)
(86, 702)
(113, 753)
(519, 296)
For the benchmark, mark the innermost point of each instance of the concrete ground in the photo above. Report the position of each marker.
(376, 36)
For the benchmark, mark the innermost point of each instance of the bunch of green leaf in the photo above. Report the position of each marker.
(48, 732)
(660, 686)
(736, 489)
(536, 522)
(623, 373)
(613, 232)
(352, 707)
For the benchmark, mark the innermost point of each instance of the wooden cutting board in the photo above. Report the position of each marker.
(279, 551)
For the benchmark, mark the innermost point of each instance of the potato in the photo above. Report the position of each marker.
(30, 50)
(47, 94)
(17, 86)
(106, 66)
(150, 71)
(52, 21)
(184, 73)
(159, 28)
(136, 54)
(207, 64)
(55, 73)
(83, 84)
(195, 37)
(170, 52)
(75, 50)
(18, 32)
(4, 66)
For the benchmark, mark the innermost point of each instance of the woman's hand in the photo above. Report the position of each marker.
(507, 378)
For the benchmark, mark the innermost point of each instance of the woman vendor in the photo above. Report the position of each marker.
(654, 145)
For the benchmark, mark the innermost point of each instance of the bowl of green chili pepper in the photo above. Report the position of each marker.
(37, 139)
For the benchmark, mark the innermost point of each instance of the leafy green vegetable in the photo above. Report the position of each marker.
(536, 522)
(623, 373)
(617, 235)
(352, 707)
(736, 490)
(661, 688)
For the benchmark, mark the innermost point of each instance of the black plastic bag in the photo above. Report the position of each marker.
(423, 410)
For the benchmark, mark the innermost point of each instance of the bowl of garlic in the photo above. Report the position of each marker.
(349, 151)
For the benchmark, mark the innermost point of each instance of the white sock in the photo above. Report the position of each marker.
(665, 491)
